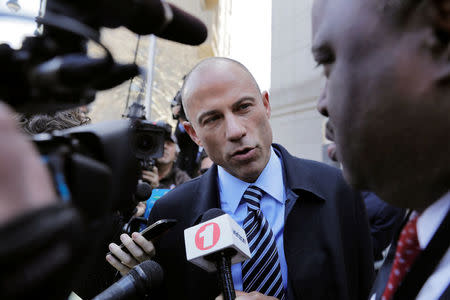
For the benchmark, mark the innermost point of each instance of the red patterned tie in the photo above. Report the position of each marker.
(407, 250)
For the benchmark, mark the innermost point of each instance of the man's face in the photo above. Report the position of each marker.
(170, 153)
(229, 117)
(380, 99)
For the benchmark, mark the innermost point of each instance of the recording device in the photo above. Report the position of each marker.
(153, 231)
(95, 167)
(52, 71)
(147, 139)
(215, 244)
(136, 284)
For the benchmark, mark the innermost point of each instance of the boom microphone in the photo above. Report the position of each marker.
(184, 28)
(159, 18)
(216, 244)
(141, 279)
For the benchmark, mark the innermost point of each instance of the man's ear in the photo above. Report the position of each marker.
(265, 98)
(440, 14)
(192, 133)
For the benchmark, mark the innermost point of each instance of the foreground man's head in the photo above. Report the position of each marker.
(387, 96)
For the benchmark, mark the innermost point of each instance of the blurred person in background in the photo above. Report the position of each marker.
(165, 174)
(188, 158)
(205, 163)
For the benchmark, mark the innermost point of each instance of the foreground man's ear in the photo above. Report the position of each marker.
(439, 17)
(440, 14)
(192, 133)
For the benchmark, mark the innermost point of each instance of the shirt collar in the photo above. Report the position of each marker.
(270, 180)
(430, 220)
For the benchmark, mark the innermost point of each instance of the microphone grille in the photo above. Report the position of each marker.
(150, 273)
(211, 214)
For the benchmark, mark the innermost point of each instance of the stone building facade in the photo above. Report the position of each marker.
(171, 61)
(295, 81)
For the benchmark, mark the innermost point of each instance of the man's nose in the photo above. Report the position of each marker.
(235, 128)
(322, 102)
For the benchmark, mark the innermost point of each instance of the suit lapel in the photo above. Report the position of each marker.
(208, 194)
(303, 199)
(383, 274)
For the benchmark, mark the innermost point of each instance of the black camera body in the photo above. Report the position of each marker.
(93, 166)
(147, 142)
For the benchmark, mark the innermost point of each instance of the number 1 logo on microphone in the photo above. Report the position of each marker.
(207, 236)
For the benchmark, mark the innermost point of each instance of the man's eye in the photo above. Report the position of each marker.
(210, 120)
(325, 69)
(325, 62)
(244, 106)
(324, 57)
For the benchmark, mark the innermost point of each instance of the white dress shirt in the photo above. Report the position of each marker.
(427, 224)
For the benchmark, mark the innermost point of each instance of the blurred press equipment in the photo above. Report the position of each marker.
(95, 167)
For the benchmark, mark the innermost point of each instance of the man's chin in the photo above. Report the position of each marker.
(332, 152)
(353, 179)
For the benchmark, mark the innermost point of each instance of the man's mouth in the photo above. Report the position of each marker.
(243, 153)
(329, 134)
(331, 151)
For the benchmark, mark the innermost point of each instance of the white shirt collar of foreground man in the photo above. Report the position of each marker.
(271, 181)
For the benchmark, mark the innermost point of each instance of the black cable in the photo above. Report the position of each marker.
(131, 81)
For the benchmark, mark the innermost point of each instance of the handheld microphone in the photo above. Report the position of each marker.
(141, 279)
(143, 191)
(215, 244)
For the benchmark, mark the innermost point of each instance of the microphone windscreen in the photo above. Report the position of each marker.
(211, 214)
(143, 191)
(184, 28)
(149, 273)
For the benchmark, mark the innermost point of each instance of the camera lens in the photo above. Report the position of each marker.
(144, 143)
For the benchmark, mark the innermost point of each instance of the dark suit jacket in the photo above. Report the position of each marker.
(326, 235)
(384, 221)
(384, 272)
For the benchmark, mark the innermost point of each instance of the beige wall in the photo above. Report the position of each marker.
(295, 82)
(172, 62)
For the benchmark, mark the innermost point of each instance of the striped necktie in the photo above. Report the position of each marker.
(262, 272)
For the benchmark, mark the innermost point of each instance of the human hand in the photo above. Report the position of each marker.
(25, 182)
(140, 209)
(140, 250)
(249, 296)
(151, 177)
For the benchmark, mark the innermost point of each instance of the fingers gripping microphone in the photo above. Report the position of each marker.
(141, 279)
(215, 244)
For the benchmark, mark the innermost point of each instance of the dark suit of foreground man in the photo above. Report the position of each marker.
(319, 224)
(388, 102)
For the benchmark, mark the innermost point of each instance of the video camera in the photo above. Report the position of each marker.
(147, 138)
(95, 167)
(52, 71)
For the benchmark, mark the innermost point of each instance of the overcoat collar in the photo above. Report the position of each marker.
(298, 178)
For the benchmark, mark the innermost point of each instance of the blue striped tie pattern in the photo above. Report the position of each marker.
(262, 272)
